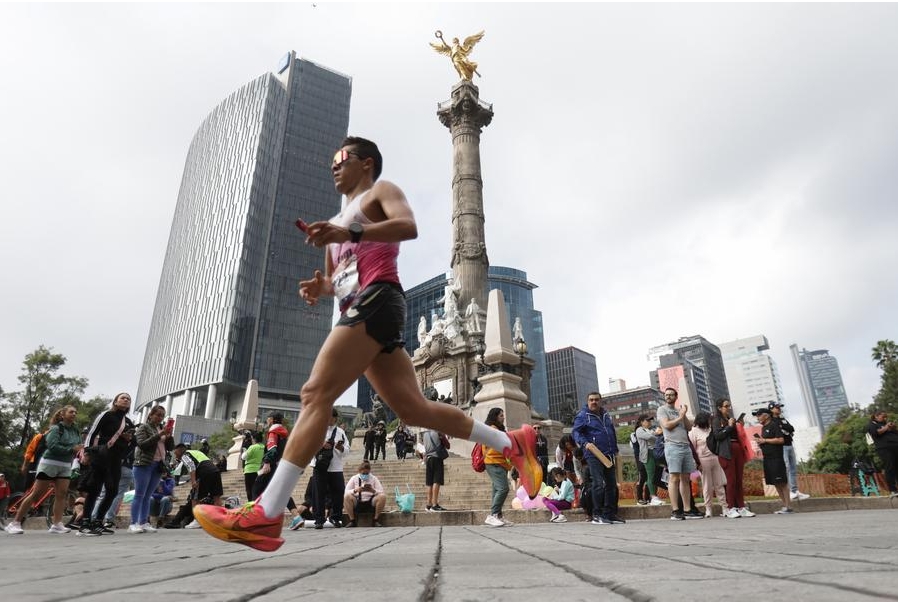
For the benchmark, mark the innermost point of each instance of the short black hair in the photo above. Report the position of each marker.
(366, 150)
(276, 417)
(702, 420)
(181, 445)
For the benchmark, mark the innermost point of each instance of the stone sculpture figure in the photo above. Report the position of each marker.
(472, 313)
(518, 330)
(450, 299)
(422, 331)
(458, 53)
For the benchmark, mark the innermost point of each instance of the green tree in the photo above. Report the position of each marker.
(623, 433)
(843, 442)
(222, 441)
(44, 389)
(885, 352)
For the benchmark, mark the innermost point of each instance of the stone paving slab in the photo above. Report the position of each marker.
(821, 556)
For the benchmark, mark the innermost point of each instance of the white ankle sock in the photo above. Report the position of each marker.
(489, 436)
(274, 499)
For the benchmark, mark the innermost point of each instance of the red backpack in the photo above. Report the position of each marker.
(477, 462)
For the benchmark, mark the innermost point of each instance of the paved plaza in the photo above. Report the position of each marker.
(819, 556)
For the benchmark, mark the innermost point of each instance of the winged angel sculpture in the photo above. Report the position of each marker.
(458, 53)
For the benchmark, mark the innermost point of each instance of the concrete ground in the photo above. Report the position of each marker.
(820, 556)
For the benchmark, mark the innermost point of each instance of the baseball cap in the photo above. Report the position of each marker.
(760, 411)
(773, 404)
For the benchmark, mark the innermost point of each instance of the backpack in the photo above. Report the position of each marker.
(659, 448)
(713, 443)
(477, 462)
(635, 443)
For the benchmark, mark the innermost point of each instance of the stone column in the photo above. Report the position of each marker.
(465, 116)
(168, 402)
(211, 394)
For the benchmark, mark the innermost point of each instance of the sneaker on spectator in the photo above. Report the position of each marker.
(319, 525)
(437, 508)
(108, 526)
(351, 524)
(798, 496)
(335, 521)
(493, 521)
(195, 524)
(733, 513)
(148, 528)
(656, 501)
(14, 528)
(297, 523)
(135, 529)
(693, 514)
(376, 523)
(247, 525)
(785, 511)
(746, 513)
(616, 520)
(600, 520)
(91, 530)
(522, 454)
(428, 508)
(677, 515)
(893, 494)
(74, 525)
(58, 528)
(641, 502)
(505, 521)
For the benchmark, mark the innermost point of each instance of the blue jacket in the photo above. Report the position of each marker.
(597, 429)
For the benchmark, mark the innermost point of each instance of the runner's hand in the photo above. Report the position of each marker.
(313, 288)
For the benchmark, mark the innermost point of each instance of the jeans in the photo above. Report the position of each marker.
(146, 479)
(604, 488)
(160, 507)
(122, 483)
(791, 467)
(499, 480)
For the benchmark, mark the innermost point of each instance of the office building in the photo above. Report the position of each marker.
(821, 386)
(626, 405)
(227, 308)
(752, 375)
(572, 375)
(696, 355)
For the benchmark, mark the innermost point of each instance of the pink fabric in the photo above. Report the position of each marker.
(556, 506)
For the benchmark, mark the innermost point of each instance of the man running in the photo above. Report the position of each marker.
(361, 272)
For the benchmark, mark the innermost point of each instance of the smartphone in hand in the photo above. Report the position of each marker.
(741, 416)
(302, 226)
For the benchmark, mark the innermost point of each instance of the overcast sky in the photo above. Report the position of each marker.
(658, 170)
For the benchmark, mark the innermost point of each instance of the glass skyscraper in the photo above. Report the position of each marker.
(227, 309)
(422, 300)
(572, 376)
(821, 386)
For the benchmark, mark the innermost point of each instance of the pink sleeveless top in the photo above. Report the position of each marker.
(357, 265)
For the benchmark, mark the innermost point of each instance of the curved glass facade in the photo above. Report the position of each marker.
(227, 308)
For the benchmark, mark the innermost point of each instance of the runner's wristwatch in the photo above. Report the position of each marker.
(355, 232)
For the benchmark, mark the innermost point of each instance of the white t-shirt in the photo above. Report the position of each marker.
(337, 461)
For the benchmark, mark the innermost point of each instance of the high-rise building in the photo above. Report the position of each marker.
(422, 300)
(821, 386)
(572, 376)
(752, 375)
(227, 308)
(695, 354)
(626, 405)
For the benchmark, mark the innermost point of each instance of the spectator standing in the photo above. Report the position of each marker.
(497, 467)
(153, 444)
(675, 425)
(370, 436)
(380, 441)
(542, 451)
(562, 498)
(593, 432)
(776, 414)
(731, 456)
(400, 440)
(5, 492)
(771, 441)
(252, 462)
(713, 478)
(436, 449)
(110, 442)
(329, 484)
(885, 442)
(645, 436)
(63, 441)
(364, 491)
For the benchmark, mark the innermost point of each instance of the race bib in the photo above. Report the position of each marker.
(345, 280)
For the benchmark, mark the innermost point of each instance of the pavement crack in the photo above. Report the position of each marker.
(430, 588)
(620, 589)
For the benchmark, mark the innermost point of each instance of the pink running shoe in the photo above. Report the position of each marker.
(522, 454)
(247, 525)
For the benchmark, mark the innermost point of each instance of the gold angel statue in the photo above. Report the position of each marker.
(458, 53)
